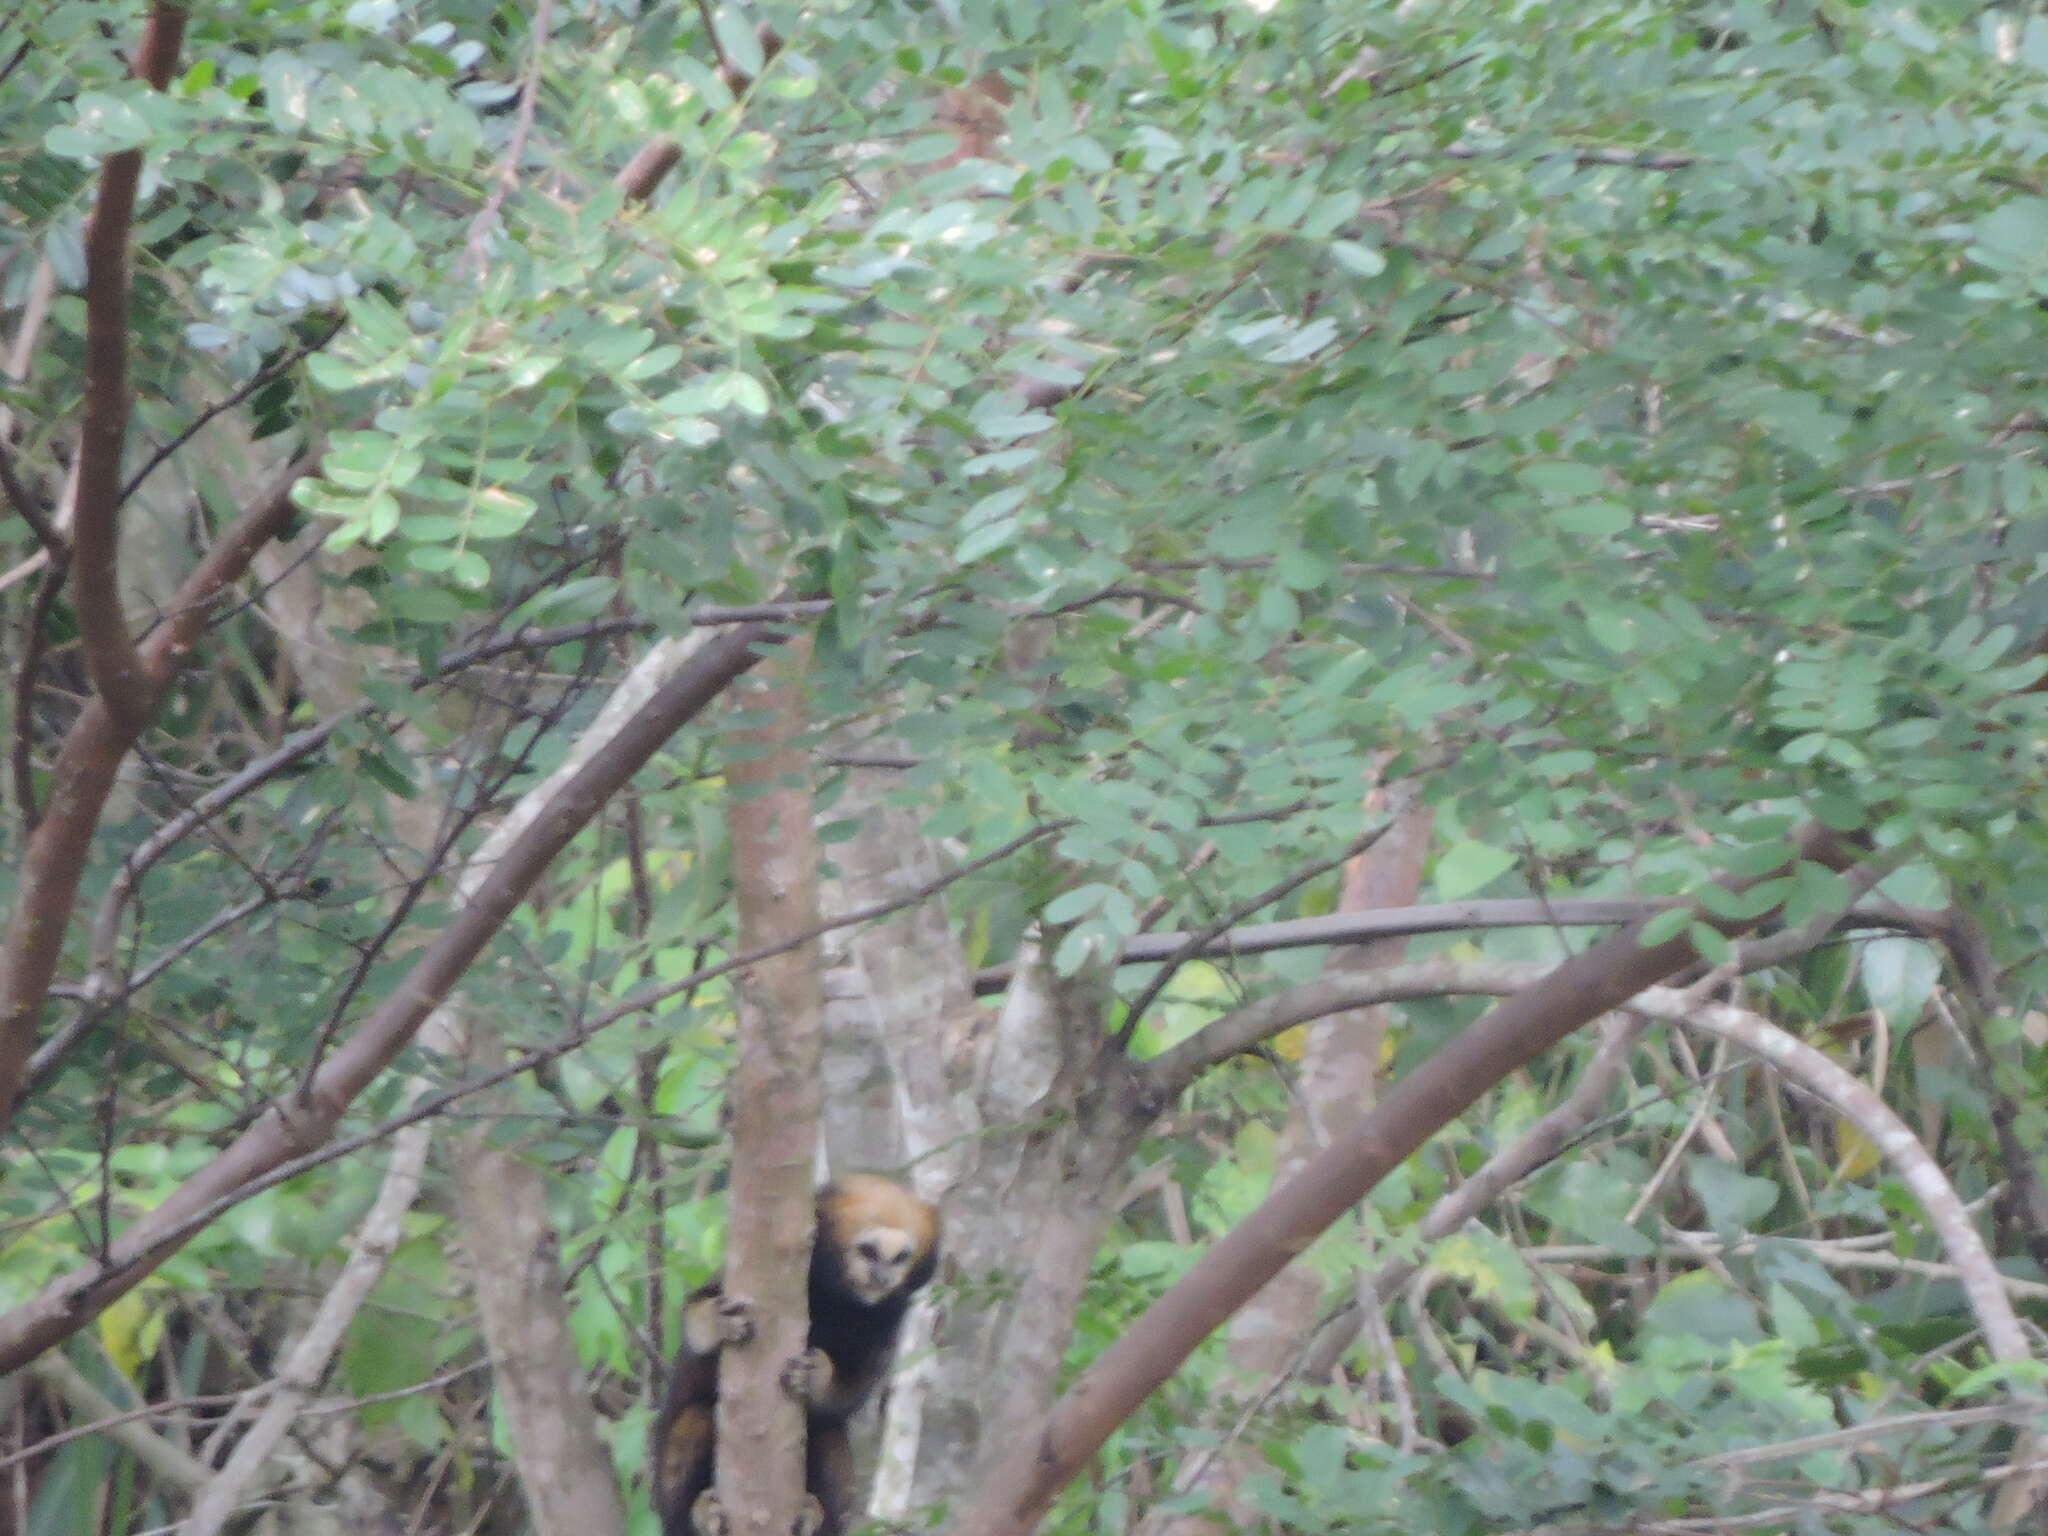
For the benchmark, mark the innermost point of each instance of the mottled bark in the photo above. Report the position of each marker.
(1018, 1122)
(543, 1394)
(772, 1099)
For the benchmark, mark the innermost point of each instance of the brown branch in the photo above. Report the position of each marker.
(291, 1127)
(111, 657)
(1454, 917)
(773, 1095)
(1151, 1349)
(83, 776)
(639, 176)
(1195, 943)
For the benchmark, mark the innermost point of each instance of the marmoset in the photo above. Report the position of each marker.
(877, 1243)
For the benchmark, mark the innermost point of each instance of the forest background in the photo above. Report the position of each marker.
(1054, 599)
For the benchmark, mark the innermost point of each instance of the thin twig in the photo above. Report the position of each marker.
(24, 503)
(145, 854)
(21, 751)
(474, 254)
(268, 374)
(1198, 940)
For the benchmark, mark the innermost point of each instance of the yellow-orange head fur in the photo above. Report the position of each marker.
(883, 1238)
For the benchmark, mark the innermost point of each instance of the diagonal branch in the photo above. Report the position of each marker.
(306, 1121)
(23, 502)
(1593, 982)
(83, 776)
(1197, 942)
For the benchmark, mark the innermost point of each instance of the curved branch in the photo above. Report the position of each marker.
(1464, 916)
(111, 658)
(1238, 1031)
(83, 776)
(1152, 1348)
(1858, 1103)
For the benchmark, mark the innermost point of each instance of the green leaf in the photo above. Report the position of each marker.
(1560, 481)
(1593, 519)
(1899, 975)
(1466, 866)
(1361, 259)
(1734, 1201)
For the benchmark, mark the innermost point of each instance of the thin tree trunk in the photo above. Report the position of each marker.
(1017, 1122)
(772, 1097)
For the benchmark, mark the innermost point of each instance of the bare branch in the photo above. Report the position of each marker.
(1195, 943)
(1466, 916)
(306, 1363)
(147, 1447)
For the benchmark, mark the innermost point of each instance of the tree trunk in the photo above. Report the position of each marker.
(772, 1099)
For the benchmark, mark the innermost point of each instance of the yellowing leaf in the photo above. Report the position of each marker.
(1856, 1154)
(129, 1330)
